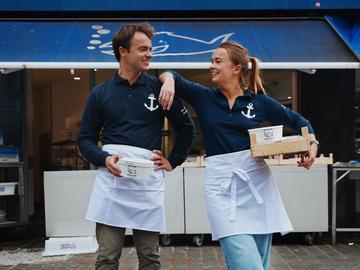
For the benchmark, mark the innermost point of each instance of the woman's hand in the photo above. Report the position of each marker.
(160, 161)
(110, 162)
(167, 90)
(308, 158)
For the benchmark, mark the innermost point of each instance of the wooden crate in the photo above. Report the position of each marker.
(200, 162)
(297, 144)
(280, 160)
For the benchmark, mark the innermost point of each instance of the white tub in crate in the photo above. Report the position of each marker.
(267, 134)
(7, 188)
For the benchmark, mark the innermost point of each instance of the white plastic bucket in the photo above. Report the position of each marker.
(268, 134)
(135, 167)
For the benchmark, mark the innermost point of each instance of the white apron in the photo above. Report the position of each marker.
(128, 202)
(242, 197)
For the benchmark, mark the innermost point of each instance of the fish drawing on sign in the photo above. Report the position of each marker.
(171, 44)
(164, 44)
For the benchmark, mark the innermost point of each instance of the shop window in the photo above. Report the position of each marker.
(57, 100)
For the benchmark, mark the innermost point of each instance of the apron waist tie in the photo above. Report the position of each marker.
(241, 175)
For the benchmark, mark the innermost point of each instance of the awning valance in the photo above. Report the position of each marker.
(292, 44)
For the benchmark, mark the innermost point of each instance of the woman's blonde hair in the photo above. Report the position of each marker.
(250, 73)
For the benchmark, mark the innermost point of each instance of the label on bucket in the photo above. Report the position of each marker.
(131, 171)
(268, 134)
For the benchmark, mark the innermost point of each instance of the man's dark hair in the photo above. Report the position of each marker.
(125, 34)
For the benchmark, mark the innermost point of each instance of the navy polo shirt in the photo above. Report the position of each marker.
(225, 130)
(119, 113)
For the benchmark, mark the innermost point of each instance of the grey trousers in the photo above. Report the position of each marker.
(111, 240)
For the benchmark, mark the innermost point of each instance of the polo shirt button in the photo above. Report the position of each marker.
(130, 95)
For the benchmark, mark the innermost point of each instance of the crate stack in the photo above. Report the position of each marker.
(9, 156)
(8, 153)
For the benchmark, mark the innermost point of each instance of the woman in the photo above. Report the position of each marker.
(243, 203)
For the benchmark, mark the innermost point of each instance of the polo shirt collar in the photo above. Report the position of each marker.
(247, 93)
(141, 80)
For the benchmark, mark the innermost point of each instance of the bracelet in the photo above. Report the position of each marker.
(315, 142)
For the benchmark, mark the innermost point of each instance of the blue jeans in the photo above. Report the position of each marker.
(247, 251)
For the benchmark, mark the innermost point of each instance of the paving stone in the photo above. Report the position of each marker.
(322, 256)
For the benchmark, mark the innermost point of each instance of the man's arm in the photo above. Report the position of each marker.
(90, 127)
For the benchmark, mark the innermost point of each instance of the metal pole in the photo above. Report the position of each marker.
(333, 217)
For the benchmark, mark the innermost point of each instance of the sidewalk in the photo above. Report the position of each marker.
(295, 256)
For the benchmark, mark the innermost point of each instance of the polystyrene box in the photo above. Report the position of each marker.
(7, 188)
(70, 245)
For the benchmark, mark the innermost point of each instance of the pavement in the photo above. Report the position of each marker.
(289, 252)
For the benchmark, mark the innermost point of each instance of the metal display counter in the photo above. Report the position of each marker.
(342, 169)
(304, 193)
(305, 196)
(67, 193)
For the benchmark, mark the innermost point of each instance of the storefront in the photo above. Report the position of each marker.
(54, 64)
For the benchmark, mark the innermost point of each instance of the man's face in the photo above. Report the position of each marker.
(139, 55)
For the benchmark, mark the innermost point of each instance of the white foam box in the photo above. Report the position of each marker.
(287, 145)
(70, 245)
(7, 188)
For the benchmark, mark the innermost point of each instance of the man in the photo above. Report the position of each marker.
(124, 113)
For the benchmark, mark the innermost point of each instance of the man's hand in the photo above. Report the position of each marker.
(110, 164)
(307, 159)
(160, 161)
(167, 90)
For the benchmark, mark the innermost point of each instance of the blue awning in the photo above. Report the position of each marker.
(177, 44)
(349, 31)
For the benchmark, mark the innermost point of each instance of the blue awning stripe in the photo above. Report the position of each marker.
(175, 41)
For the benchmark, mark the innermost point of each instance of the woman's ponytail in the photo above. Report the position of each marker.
(254, 82)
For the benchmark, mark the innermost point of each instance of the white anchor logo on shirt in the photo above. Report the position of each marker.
(151, 107)
(250, 107)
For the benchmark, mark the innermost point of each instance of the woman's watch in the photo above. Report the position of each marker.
(315, 142)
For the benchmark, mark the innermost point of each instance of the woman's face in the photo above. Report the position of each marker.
(222, 69)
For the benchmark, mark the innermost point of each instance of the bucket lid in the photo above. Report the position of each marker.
(138, 162)
(263, 128)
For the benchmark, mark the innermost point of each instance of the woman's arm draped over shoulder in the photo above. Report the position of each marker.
(173, 82)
